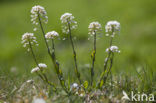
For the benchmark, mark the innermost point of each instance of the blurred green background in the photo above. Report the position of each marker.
(136, 41)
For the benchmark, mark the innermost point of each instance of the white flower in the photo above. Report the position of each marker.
(94, 27)
(112, 26)
(51, 35)
(38, 11)
(35, 29)
(36, 69)
(74, 86)
(42, 65)
(30, 81)
(28, 38)
(39, 100)
(68, 19)
(81, 95)
(113, 49)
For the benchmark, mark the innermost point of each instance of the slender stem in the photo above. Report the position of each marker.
(50, 83)
(74, 53)
(111, 41)
(93, 59)
(31, 49)
(111, 79)
(39, 19)
(40, 76)
(44, 77)
(53, 50)
(53, 58)
(95, 41)
(59, 74)
(53, 46)
(111, 64)
(107, 59)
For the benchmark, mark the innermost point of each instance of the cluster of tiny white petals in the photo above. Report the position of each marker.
(39, 100)
(37, 11)
(113, 49)
(112, 26)
(36, 69)
(51, 35)
(74, 86)
(94, 27)
(28, 38)
(40, 66)
(30, 81)
(68, 19)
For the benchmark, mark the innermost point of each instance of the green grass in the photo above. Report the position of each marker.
(136, 40)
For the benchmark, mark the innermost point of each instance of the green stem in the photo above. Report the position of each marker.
(108, 57)
(106, 60)
(93, 59)
(43, 76)
(53, 58)
(111, 64)
(53, 50)
(57, 70)
(33, 54)
(39, 19)
(74, 53)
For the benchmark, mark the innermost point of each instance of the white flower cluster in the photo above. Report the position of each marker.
(36, 69)
(66, 19)
(38, 100)
(112, 26)
(40, 66)
(113, 49)
(74, 87)
(51, 35)
(28, 38)
(94, 27)
(37, 11)
(30, 81)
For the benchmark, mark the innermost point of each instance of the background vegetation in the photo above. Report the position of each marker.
(136, 41)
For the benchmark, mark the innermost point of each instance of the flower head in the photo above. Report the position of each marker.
(40, 66)
(113, 49)
(30, 81)
(28, 38)
(94, 27)
(51, 35)
(36, 12)
(112, 26)
(74, 87)
(39, 100)
(36, 69)
(68, 19)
